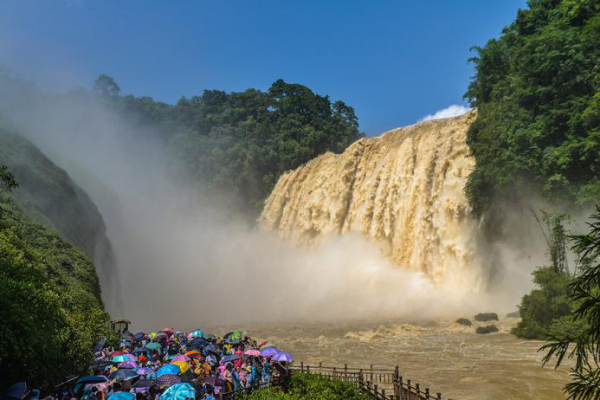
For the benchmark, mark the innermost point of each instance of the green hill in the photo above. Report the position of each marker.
(50, 305)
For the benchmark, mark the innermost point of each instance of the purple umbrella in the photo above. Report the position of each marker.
(144, 371)
(128, 364)
(269, 352)
(283, 356)
(168, 380)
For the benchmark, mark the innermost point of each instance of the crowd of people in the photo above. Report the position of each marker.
(172, 365)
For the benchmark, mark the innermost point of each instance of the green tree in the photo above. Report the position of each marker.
(580, 337)
(106, 86)
(7, 178)
(550, 301)
(536, 90)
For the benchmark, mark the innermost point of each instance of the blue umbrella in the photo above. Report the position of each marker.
(179, 391)
(227, 359)
(212, 349)
(139, 336)
(198, 333)
(122, 396)
(16, 391)
(169, 369)
(123, 374)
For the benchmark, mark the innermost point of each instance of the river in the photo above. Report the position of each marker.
(441, 355)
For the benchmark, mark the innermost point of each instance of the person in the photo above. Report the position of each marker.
(266, 371)
(209, 393)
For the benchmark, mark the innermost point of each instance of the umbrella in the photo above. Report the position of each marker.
(169, 369)
(16, 391)
(144, 383)
(236, 336)
(153, 346)
(227, 359)
(283, 356)
(180, 357)
(209, 336)
(67, 379)
(270, 352)
(120, 358)
(183, 366)
(193, 353)
(212, 349)
(252, 352)
(197, 333)
(214, 381)
(179, 391)
(128, 364)
(139, 336)
(123, 374)
(100, 345)
(92, 379)
(168, 380)
(89, 379)
(117, 353)
(144, 371)
(122, 396)
(167, 330)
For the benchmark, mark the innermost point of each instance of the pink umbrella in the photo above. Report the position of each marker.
(253, 352)
(180, 357)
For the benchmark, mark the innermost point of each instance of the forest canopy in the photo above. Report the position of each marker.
(243, 141)
(536, 89)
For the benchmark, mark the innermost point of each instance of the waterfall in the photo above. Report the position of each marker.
(402, 189)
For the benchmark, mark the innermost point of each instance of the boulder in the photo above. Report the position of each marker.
(487, 329)
(463, 322)
(515, 314)
(484, 317)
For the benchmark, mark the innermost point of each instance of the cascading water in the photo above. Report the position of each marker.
(403, 189)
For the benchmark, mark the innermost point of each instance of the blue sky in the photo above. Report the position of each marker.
(393, 61)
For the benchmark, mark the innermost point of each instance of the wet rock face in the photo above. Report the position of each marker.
(403, 189)
(485, 317)
(463, 322)
(487, 329)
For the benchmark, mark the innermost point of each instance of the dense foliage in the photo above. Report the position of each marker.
(579, 336)
(50, 305)
(311, 387)
(242, 142)
(545, 305)
(536, 89)
(549, 305)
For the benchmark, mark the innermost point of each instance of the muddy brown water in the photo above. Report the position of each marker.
(441, 355)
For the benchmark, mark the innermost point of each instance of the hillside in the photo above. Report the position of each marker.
(50, 304)
(51, 198)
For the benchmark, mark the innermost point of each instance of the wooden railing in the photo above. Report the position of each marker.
(377, 383)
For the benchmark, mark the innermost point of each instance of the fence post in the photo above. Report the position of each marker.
(427, 393)
(308, 369)
(371, 372)
(439, 396)
(302, 366)
(418, 389)
(383, 393)
(345, 372)
(320, 367)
